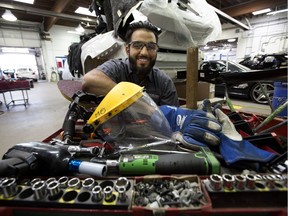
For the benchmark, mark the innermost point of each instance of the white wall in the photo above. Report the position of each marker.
(57, 46)
(268, 34)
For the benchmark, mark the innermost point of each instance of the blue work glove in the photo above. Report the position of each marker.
(199, 128)
(193, 128)
(236, 150)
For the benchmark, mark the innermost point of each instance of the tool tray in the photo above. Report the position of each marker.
(193, 198)
(250, 191)
(35, 192)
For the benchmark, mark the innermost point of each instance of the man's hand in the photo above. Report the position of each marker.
(193, 128)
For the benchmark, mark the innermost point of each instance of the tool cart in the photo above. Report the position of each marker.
(75, 172)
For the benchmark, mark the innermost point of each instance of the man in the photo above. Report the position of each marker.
(141, 48)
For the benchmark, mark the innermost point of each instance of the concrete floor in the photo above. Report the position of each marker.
(46, 111)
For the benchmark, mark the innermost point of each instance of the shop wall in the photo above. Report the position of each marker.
(268, 34)
(54, 44)
(57, 46)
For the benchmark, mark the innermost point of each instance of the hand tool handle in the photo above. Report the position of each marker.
(200, 163)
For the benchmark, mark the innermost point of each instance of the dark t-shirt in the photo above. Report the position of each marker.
(158, 85)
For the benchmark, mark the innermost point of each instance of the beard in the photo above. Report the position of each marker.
(141, 70)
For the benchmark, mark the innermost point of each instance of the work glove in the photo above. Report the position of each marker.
(234, 149)
(202, 129)
(193, 128)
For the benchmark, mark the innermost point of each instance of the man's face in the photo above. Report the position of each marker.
(142, 59)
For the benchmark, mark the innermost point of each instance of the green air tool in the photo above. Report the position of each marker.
(201, 163)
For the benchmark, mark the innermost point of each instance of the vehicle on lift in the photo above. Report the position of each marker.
(26, 73)
(251, 90)
(265, 61)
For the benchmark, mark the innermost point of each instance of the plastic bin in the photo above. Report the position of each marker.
(280, 96)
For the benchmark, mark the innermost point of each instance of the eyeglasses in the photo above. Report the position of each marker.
(151, 46)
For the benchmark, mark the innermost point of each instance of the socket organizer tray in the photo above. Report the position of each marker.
(67, 192)
(244, 191)
(170, 195)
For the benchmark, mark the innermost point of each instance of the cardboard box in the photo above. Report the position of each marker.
(205, 90)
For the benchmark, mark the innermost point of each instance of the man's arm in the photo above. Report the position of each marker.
(96, 82)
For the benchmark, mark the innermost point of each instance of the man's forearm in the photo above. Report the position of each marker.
(97, 83)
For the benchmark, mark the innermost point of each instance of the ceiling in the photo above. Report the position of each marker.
(46, 13)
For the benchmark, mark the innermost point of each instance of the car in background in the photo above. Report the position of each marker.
(251, 90)
(265, 61)
(10, 73)
(26, 73)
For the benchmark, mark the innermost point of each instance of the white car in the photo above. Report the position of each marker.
(27, 73)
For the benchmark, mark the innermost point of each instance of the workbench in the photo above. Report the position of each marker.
(10, 86)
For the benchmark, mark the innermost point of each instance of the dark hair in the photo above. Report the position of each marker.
(141, 25)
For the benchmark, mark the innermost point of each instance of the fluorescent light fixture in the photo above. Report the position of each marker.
(206, 47)
(14, 50)
(276, 12)
(84, 11)
(26, 1)
(74, 32)
(215, 48)
(9, 16)
(231, 40)
(80, 29)
(261, 11)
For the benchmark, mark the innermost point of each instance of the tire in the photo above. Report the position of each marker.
(257, 95)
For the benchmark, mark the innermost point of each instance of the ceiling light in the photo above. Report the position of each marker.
(84, 11)
(215, 48)
(206, 47)
(9, 16)
(261, 11)
(74, 32)
(26, 1)
(80, 29)
(276, 12)
(231, 40)
(14, 50)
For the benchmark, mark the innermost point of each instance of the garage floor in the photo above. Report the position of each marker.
(46, 112)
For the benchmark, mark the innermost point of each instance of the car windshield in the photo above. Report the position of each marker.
(232, 66)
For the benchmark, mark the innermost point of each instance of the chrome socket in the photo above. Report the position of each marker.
(228, 181)
(53, 188)
(49, 180)
(270, 181)
(108, 195)
(121, 182)
(9, 187)
(63, 182)
(97, 193)
(88, 183)
(74, 183)
(250, 181)
(39, 189)
(33, 181)
(122, 194)
(216, 182)
(240, 182)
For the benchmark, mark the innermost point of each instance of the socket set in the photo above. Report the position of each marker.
(67, 192)
(250, 190)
